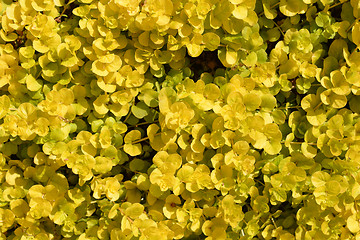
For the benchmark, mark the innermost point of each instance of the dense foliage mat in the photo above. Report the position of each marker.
(183, 119)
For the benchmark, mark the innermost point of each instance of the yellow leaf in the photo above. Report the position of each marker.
(356, 33)
(240, 12)
(231, 56)
(4, 105)
(353, 224)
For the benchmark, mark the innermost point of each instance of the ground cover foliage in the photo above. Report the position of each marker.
(189, 119)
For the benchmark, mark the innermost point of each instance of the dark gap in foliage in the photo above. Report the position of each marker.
(336, 12)
(72, 178)
(208, 61)
(127, 174)
(270, 46)
(66, 12)
(247, 206)
(20, 41)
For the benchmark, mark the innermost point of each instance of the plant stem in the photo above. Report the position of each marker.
(313, 144)
(58, 19)
(271, 7)
(296, 107)
(141, 139)
(281, 31)
(317, 106)
(337, 4)
(273, 221)
(127, 117)
(352, 25)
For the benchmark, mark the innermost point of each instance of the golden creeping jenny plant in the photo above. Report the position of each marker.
(190, 119)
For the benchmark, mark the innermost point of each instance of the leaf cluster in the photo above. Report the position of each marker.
(160, 119)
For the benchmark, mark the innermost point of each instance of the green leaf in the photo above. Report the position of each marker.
(140, 110)
(138, 165)
(354, 104)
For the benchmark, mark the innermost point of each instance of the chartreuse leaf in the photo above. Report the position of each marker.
(150, 98)
(4, 105)
(252, 101)
(7, 217)
(170, 208)
(19, 207)
(278, 195)
(278, 116)
(319, 178)
(353, 224)
(268, 102)
(291, 8)
(328, 97)
(268, 12)
(134, 210)
(195, 46)
(167, 163)
(134, 79)
(103, 164)
(105, 137)
(131, 148)
(211, 40)
(227, 56)
(260, 204)
(231, 56)
(340, 85)
(308, 150)
(4, 4)
(100, 104)
(263, 145)
(211, 91)
(217, 140)
(251, 59)
(355, 34)
(140, 110)
(33, 84)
